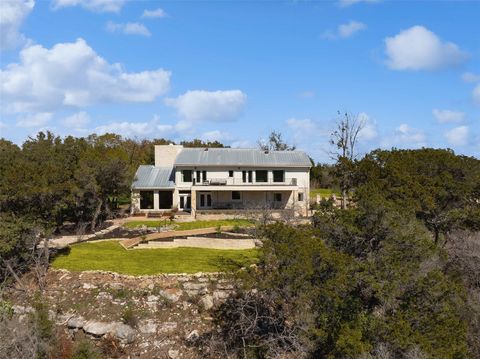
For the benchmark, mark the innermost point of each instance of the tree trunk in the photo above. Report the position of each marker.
(93, 224)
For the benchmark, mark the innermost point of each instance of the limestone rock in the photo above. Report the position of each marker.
(76, 322)
(97, 328)
(220, 295)
(124, 332)
(172, 294)
(207, 302)
(89, 286)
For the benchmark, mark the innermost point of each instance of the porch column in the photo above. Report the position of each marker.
(193, 199)
(156, 199)
(175, 199)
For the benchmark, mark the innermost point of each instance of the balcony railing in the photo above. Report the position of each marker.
(239, 182)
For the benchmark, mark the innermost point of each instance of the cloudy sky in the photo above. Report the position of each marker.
(234, 71)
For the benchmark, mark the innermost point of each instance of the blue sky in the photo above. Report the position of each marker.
(234, 71)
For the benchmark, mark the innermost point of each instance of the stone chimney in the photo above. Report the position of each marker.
(165, 155)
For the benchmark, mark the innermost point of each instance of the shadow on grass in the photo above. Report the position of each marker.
(59, 252)
(225, 264)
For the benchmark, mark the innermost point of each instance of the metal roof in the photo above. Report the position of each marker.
(241, 157)
(153, 177)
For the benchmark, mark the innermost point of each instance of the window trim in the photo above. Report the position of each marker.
(277, 171)
(256, 176)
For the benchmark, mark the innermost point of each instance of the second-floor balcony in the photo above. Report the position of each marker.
(240, 182)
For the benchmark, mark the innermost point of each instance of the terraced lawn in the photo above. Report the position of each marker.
(110, 256)
(323, 192)
(181, 226)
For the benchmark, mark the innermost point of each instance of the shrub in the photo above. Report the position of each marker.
(85, 350)
(129, 316)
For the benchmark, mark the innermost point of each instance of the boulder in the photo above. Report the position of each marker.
(172, 294)
(76, 322)
(97, 328)
(207, 302)
(220, 295)
(123, 332)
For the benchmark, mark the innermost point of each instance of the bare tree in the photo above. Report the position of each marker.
(344, 140)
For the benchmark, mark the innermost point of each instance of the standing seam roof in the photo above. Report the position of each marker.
(241, 157)
(153, 177)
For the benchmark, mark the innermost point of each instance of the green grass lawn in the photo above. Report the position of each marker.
(324, 192)
(110, 256)
(180, 226)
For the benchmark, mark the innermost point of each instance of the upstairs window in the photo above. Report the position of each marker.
(261, 176)
(247, 176)
(278, 176)
(230, 173)
(204, 174)
(187, 175)
(199, 178)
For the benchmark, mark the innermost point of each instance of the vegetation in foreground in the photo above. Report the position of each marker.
(111, 256)
(181, 226)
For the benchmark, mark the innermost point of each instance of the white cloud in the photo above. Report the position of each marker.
(305, 124)
(12, 14)
(77, 120)
(92, 5)
(345, 30)
(405, 136)
(476, 94)
(3, 125)
(133, 129)
(154, 13)
(369, 130)
(34, 119)
(130, 28)
(457, 136)
(72, 74)
(345, 3)
(216, 135)
(444, 116)
(417, 48)
(215, 106)
(470, 77)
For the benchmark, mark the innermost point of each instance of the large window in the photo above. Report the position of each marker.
(165, 199)
(199, 177)
(187, 175)
(230, 173)
(236, 196)
(146, 199)
(278, 176)
(261, 176)
(247, 176)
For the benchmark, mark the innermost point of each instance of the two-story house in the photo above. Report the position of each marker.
(222, 179)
